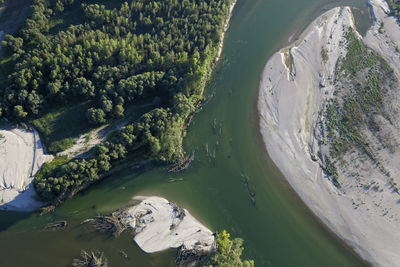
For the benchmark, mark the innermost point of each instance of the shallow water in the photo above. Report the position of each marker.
(278, 231)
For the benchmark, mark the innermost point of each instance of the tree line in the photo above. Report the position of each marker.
(156, 51)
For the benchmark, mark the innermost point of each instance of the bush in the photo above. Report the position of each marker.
(228, 253)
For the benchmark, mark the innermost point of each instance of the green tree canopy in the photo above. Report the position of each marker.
(228, 253)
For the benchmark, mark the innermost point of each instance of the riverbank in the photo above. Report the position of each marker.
(21, 156)
(226, 27)
(296, 84)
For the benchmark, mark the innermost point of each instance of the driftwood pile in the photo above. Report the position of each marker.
(189, 257)
(56, 225)
(182, 164)
(113, 224)
(92, 259)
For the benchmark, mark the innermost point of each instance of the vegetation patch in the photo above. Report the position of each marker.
(288, 60)
(48, 167)
(395, 7)
(361, 83)
(60, 126)
(92, 259)
(324, 54)
(228, 253)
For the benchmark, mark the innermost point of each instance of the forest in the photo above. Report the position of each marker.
(108, 56)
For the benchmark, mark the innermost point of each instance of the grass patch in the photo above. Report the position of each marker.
(48, 167)
(288, 60)
(87, 138)
(60, 126)
(324, 54)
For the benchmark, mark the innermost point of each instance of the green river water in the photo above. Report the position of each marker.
(278, 231)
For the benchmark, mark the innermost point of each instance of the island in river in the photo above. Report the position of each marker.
(329, 114)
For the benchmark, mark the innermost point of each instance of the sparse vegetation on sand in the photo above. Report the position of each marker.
(362, 79)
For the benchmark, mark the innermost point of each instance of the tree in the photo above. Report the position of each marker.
(96, 116)
(106, 105)
(228, 253)
(54, 87)
(83, 87)
(13, 44)
(19, 112)
(34, 102)
(119, 111)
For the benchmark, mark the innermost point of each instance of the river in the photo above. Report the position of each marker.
(278, 231)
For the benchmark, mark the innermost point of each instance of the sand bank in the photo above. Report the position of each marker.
(295, 86)
(21, 156)
(160, 224)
